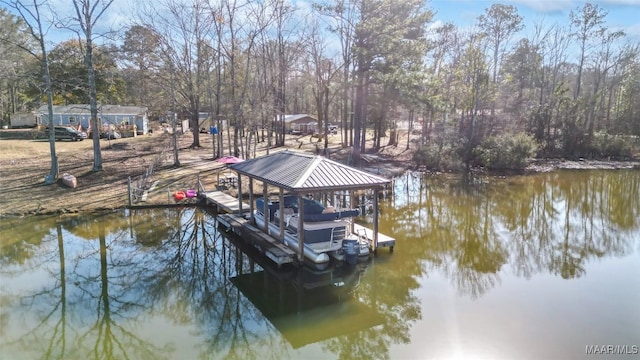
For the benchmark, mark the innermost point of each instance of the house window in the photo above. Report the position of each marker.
(72, 120)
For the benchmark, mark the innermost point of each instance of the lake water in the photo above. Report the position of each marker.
(545, 266)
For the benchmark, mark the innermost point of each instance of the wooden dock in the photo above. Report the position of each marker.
(383, 240)
(278, 252)
(225, 202)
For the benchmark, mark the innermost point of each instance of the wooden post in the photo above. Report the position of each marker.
(265, 207)
(300, 228)
(129, 190)
(375, 220)
(251, 201)
(344, 201)
(239, 193)
(281, 196)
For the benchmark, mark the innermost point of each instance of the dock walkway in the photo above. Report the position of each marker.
(225, 202)
(278, 252)
(383, 240)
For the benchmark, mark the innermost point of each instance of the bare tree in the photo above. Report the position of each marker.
(282, 12)
(587, 24)
(87, 15)
(34, 21)
(498, 24)
(183, 30)
(324, 71)
(344, 15)
(238, 39)
(606, 60)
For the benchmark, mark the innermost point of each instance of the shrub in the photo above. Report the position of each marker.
(436, 157)
(614, 146)
(506, 151)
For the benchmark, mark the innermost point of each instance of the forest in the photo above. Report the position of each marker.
(491, 95)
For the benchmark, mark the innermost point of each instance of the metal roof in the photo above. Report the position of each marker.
(295, 117)
(84, 109)
(297, 172)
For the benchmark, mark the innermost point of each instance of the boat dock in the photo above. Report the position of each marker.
(383, 240)
(278, 252)
(233, 221)
(225, 202)
(314, 174)
(273, 249)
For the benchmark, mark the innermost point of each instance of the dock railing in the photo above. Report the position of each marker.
(137, 187)
(199, 187)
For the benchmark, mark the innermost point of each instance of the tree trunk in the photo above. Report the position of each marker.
(93, 103)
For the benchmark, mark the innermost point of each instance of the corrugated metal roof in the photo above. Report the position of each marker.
(295, 171)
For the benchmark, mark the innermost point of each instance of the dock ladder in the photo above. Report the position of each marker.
(362, 235)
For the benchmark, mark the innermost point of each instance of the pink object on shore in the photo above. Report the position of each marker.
(191, 193)
(229, 160)
(69, 180)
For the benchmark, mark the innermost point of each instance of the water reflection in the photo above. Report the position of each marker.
(83, 280)
(167, 283)
(554, 222)
(334, 307)
(93, 284)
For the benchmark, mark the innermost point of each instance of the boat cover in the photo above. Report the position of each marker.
(313, 209)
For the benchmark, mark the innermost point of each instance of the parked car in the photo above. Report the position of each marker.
(67, 133)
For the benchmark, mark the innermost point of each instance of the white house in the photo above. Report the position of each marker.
(108, 116)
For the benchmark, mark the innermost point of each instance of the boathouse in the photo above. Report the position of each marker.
(306, 175)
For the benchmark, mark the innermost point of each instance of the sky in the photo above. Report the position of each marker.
(622, 14)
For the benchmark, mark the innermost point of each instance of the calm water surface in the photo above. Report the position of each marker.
(525, 267)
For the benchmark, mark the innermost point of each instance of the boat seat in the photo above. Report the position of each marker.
(287, 212)
(292, 221)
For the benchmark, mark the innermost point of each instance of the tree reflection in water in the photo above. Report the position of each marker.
(554, 222)
(450, 225)
(95, 285)
(76, 311)
(109, 275)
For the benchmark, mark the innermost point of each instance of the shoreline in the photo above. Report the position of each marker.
(22, 172)
(536, 166)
